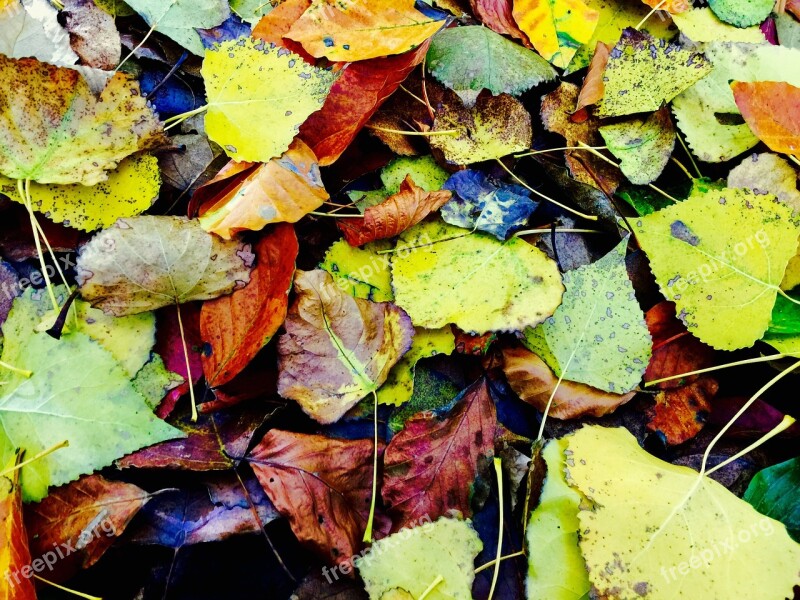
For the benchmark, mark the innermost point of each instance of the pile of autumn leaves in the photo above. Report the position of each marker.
(431, 264)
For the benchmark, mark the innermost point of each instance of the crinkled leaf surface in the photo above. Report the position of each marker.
(352, 30)
(698, 108)
(642, 145)
(767, 173)
(147, 262)
(178, 19)
(470, 59)
(337, 349)
(54, 130)
(647, 518)
(556, 29)
(597, 335)
(409, 561)
(31, 28)
(484, 204)
(721, 256)
(258, 96)
(129, 190)
(490, 285)
(772, 111)
(701, 25)
(773, 492)
(494, 127)
(741, 13)
(643, 72)
(78, 392)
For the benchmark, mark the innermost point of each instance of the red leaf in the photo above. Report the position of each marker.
(358, 92)
(758, 420)
(680, 414)
(87, 515)
(468, 343)
(235, 327)
(675, 351)
(497, 16)
(14, 553)
(322, 485)
(394, 215)
(430, 466)
(170, 347)
(772, 111)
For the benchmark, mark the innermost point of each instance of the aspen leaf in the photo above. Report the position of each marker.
(701, 25)
(741, 13)
(771, 110)
(361, 272)
(178, 19)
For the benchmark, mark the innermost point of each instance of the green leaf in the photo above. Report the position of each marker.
(361, 272)
(154, 380)
(443, 274)
(258, 96)
(773, 492)
(741, 13)
(77, 392)
(470, 59)
(556, 569)
(700, 25)
(598, 335)
(178, 19)
(251, 11)
(660, 531)
(411, 559)
(703, 111)
(721, 256)
(644, 72)
(788, 30)
(785, 318)
(644, 200)
(642, 145)
(424, 170)
(432, 391)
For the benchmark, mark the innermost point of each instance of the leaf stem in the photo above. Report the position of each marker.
(650, 14)
(422, 133)
(682, 168)
(66, 589)
(689, 154)
(439, 579)
(548, 198)
(368, 530)
(738, 363)
(24, 191)
(485, 566)
(335, 216)
(498, 469)
(188, 366)
(557, 230)
(178, 119)
(23, 372)
(533, 152)
(785, 423)
(41, 454)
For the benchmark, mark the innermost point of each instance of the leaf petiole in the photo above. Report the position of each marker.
(23, 372)
(738, 363)
(66, 589)
(439, 579)
(188, 365)
(368, 530)
(498, 469)
(41, 454)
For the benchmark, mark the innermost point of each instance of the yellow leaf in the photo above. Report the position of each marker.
(361, 272)
(556, 28)
(351, 30)
(129, 191)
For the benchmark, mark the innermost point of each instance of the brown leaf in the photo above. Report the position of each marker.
(675, 351)
(533, 381)
(679, 414)
(93, 35)
(556, 113)
(772, 111)
(497, 16)
(14, 553)
(593, 87)
(394, 215)
(88, 515)
(234, 328)
(285, 189)
(337, 349)
(431, 465)
(321, 485)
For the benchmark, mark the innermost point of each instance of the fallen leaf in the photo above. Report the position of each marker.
(234, 328)
(688, 518)
(431, 466)
(93, 35)
(424, 170)
(681, 413)
(274, 26)
(361, 272)
(403, 565)
(494, 127)
(470, 59)
(598, 334)
(770, 109)
(337, 349)
(360, 29)
(767, 174)
(724, 286)
(169, 345)
(491, 286)
(760, 418)
(701, 25)
(54, 130)
(31, 28)
(397, 213)
(534, 382)
(178, 19)
(643, 72)
(258, 96)
(250, 11)
(772, 492)
(497, 16)
(671, 6)
(147, 262)
(321, 485)
(741, 13)
(14, 553)
(593, 86)
(556, 29)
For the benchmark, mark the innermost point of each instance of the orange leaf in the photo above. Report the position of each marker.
(276, 24)
(593, 87)
(15, 558)
(351, 30)
(793, 6)
(357, 94)
(497, 16)
(394, 215)
(772, 111)
(533, 381)
(236, 327)
(284, 189)
(673, 7)
(679, 414)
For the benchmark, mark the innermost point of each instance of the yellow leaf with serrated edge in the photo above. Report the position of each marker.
(658, 531)
(258, 96)
(443, 274)
(128, 191)
(556, 28)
